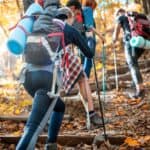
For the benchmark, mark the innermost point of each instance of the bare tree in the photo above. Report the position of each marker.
(146, 6)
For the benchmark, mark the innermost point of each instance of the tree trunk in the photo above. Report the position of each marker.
(146, 6)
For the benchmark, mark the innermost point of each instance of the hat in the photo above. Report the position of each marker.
(64, 12)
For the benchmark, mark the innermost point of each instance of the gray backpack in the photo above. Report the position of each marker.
(41, 48)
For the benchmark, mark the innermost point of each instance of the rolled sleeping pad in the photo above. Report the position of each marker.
(18, 37)
(140, 42)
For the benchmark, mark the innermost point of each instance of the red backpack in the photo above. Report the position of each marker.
(139, 25)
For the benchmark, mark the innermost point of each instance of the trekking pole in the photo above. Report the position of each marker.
(103, 71)
(115, 65)
(100, 103)
(103, 63)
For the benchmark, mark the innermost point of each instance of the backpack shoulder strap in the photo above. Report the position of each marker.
(59, 23)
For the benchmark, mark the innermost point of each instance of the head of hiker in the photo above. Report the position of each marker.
(75, 6)
(65, 14)
(120, 12)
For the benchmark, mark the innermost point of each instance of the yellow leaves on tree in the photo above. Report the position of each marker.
(9, 13)
(63, 1)
(135, 7)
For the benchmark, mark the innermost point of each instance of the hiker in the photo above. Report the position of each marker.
(131, 54)
(78, 22)
(85, 24)
(76, 73)
(37, 81)
(38, 73)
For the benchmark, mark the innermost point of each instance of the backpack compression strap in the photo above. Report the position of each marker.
(20, 26)
(65, 61)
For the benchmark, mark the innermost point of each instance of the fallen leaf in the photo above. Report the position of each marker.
(132, 142)
(145, 107)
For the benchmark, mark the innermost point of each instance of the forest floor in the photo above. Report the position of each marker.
(129, 118)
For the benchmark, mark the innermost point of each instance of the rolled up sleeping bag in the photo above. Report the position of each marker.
(140, 42)
(18, 37)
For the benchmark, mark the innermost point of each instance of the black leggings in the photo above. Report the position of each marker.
(132, 55)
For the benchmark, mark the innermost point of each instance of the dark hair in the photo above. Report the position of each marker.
(61, 17)
(120, 10)
(64, 13)
(75, 3)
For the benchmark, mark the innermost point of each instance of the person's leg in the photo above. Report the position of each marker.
(85, 90)
(41, 109)
(134, 69)
(55, 122)
(41, 103)
(139, 86)
(86, 93)
(137, 52)
(87, 66)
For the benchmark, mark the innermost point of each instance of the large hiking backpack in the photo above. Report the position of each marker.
(88, 17)
(139, 24)
(41, 49)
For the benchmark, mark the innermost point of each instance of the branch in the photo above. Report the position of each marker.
(4, 30)
(19, 8)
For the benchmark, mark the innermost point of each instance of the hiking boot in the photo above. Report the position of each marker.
(139, 94)
(97, 120)
(51, 146)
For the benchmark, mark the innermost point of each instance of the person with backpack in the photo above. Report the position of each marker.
(85, 24)
(78, 22)
(37, 79)
(131, 54)
(49, 38)
(76, 73)
(139, 24)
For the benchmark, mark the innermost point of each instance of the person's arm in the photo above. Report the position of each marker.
(100, 35)
(79, 41)
(116, 32)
